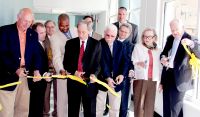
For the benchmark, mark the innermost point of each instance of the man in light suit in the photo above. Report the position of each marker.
(114, 67)
(19, 53)
(50, 30)
(58, 41)
(122, 15)
(90, 21)
(176, 74)
(82, 58)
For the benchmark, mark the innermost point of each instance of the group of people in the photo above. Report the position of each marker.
(117, 58)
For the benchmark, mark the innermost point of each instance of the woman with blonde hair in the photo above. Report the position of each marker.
(146, 60)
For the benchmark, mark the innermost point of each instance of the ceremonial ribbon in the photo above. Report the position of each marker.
(106, 86)
(62, 77)
(8, 85)
(194, 62)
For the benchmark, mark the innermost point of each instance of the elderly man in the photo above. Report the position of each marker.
(58, 41)
(82, 58)
(114, 67)
(122, 15)
(176, 74)
(19, 53)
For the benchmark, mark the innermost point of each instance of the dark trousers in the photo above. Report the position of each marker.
(78, 93)
(37, 99)
(172, 98)
(47, 99)
(125, 98)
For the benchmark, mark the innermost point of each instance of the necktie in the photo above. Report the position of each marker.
(80, 65)
(150, 70)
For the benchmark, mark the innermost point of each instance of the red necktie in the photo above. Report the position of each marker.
(80, 65)
(150, 70)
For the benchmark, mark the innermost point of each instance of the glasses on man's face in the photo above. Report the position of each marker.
(112, 36)
(149, 37)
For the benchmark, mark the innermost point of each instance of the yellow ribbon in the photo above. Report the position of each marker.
(106, 86)
(62, 77)
(194, 62)
(79, 80)
(10, 84)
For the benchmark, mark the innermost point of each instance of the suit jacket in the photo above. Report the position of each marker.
(182, 69)
(58, 41)
(134, 35)
(10, 53)
(43, 68)
(115, 64)
(129, 49)
(90, 61)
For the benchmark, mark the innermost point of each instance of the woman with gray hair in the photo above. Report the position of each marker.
(146, 60)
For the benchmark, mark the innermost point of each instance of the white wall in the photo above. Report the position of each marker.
(102, 22)
(70, 5)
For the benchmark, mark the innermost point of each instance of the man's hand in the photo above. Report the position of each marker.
(20, 72)
(187, 42)
(165, 61)
(63, 72)
(111, 82)
(36, 74)
(47, 74)
(160, 88)
(79, 74)
(92, 77)
(119, 79)
(131, 73)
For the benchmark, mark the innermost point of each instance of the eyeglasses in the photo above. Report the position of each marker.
(149, 37)
(110, 35)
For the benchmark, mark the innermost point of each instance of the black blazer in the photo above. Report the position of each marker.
(10, 53)
(43, 68)
(182, 69)
(113, 65)
(91, 57)
(129, 49)
(134, 35)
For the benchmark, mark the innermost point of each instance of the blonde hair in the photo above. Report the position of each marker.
(154, 33)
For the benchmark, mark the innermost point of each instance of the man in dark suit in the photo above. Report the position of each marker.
(124, 32)
(122, 15)
(114, 67)
(82, 56)
(176, 74)
(36, 105)
(19, 52)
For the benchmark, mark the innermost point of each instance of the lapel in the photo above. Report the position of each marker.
(28, 44)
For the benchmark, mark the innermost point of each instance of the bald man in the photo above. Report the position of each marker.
(19, 53)
(176, 74)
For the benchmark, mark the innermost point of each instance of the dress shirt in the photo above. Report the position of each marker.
(85, 43)
(173, 52)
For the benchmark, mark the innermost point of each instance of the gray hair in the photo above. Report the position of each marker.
(178, 22)
(23, 11)
(48, 22)
(111, 27)
(83, 22)
(127, 25)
